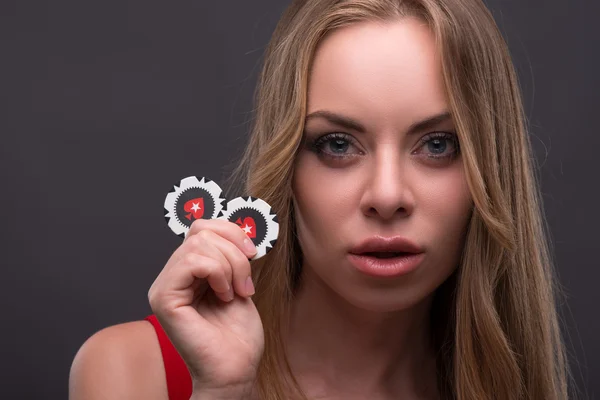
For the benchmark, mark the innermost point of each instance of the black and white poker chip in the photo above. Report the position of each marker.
(255, 217)
(193, 198)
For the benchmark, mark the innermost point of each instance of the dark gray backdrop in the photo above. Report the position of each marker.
(106, 104)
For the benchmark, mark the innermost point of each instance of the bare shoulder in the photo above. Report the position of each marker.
(122, 361)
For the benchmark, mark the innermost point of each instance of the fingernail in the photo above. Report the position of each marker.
(229, 295)
(249, 246)
(249, 286)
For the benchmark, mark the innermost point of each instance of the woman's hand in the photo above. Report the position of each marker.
(202, 300)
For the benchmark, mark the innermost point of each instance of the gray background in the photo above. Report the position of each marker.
(105, 104)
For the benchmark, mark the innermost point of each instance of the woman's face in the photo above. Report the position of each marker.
(381, 163)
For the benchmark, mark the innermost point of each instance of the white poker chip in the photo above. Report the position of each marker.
(193, 198)
(254, 216)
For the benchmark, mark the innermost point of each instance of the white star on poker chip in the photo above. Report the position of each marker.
(247, 229)
(196, 206)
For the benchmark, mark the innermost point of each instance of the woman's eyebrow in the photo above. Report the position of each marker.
(430, 122)
(336, 119)
(349, 123)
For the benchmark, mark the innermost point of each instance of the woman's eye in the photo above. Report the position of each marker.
(338, 146)
(440, 145)
(335, 145)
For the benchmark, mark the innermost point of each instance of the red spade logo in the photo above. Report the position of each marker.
(248, 225)
(195, 208)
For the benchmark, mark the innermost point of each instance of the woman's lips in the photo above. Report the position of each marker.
(386, 265)
(381, 244)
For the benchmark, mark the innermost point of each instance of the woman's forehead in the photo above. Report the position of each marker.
(380, 69)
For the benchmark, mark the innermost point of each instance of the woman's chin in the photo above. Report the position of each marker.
(384, 300)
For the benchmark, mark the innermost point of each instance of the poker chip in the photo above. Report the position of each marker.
(254, 216)
(193, 198)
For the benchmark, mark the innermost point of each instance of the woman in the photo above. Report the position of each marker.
(412, 262)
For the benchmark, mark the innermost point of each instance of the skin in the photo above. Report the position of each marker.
(353, 335)
(350, 336)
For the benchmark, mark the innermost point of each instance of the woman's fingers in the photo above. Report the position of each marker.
(240, 266)
(216, 252)
(227, 230)
(203, 244)
(235, 262)
(215, 273)
(180, 279)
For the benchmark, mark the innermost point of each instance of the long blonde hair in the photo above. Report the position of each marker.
(495, 322)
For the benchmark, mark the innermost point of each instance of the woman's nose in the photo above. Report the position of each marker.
(388, 193)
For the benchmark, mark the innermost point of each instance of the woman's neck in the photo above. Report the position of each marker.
(336, 349)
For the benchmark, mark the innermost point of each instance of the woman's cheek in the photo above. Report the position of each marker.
(324, 196)
(447, 194)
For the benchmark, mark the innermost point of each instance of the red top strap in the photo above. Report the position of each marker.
(179, 381)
